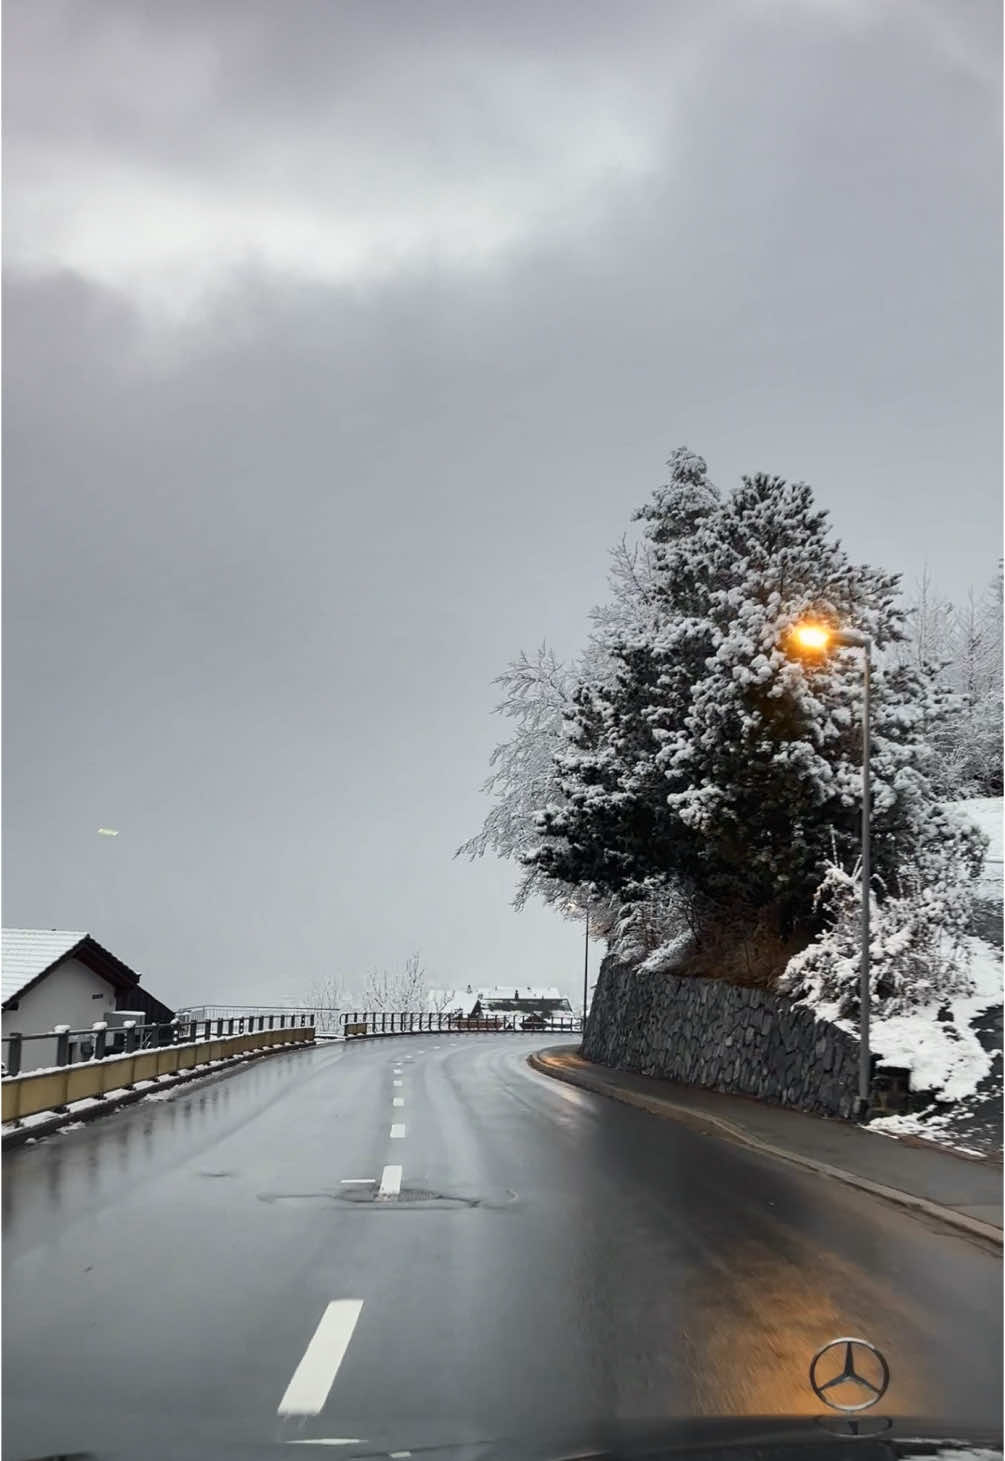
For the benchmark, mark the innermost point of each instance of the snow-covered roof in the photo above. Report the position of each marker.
(25, 953)
(28, 953)
(466, 999)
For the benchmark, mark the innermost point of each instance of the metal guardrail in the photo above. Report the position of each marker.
(380, 1022)
(325, 1018)
(74, 1047)
(124, 1076)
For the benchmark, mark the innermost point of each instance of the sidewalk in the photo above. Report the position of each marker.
(966, 1193)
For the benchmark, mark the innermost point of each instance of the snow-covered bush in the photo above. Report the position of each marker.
(919, 946)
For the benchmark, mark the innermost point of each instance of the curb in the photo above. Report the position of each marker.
(663, 1106)
(19, 1135)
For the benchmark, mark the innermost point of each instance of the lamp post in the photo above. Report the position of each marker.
(586, 967)
(818, 638)
(573, 907)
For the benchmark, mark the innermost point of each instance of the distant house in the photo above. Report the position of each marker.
(501, 1001)
(50, 977)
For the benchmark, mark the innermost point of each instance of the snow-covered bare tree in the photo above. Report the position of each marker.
(328, 998)
(523, 776)
(401, 990)
(961, 645)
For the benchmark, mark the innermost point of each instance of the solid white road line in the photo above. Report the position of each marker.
(390, 1182)
(398, 1130)
(397, 1083)
(314, 1376)
(398, 1101)
(357, 1181)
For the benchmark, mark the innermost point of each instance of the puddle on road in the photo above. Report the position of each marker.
(409, 1199)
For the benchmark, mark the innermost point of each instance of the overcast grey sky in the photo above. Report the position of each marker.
(341, 341)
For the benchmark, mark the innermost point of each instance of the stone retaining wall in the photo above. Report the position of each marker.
(707, 1033)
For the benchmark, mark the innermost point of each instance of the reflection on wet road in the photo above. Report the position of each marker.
(418, 1237)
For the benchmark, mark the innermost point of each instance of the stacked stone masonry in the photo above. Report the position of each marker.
(706, 1033)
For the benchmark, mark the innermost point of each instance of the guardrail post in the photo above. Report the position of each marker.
(63, 1045)
(100, 1040)
(130, 1038)
(14, 1054)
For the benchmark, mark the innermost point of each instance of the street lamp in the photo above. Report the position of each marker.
(575, 908)
(813, 638)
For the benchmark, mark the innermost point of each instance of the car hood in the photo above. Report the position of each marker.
(725, 1438)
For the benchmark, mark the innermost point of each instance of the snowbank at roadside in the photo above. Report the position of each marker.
(936, 1042)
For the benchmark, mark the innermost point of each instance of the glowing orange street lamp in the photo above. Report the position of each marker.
(815, 638)
(811, 636)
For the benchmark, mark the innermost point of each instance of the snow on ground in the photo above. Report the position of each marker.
(948, 1047)
(944, 1055)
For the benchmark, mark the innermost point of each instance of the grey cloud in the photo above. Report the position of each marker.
(261, 567)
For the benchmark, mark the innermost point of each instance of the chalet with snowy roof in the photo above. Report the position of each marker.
(57, 977)
(502, 1000)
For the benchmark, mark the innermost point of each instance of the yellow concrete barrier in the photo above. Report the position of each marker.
(144, 1066)
(24, 1095)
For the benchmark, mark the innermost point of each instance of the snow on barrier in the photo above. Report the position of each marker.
(56, 1087)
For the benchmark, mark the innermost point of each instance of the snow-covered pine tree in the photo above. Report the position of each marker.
(715, 760)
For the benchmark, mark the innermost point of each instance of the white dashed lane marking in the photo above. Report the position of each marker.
(314, 1376)
(398, 1101)
(390, 1182)
(397, 1131)
(397, 1083)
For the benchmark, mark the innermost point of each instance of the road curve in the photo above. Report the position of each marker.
(220, 1270)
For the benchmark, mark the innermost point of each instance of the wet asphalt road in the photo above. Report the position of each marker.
(553, 1259)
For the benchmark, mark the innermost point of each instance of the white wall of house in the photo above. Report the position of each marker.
(71, 994)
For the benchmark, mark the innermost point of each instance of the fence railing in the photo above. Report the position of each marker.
(381, 1022)
(63, 1046)
(326, 1020)
(125, 1074)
